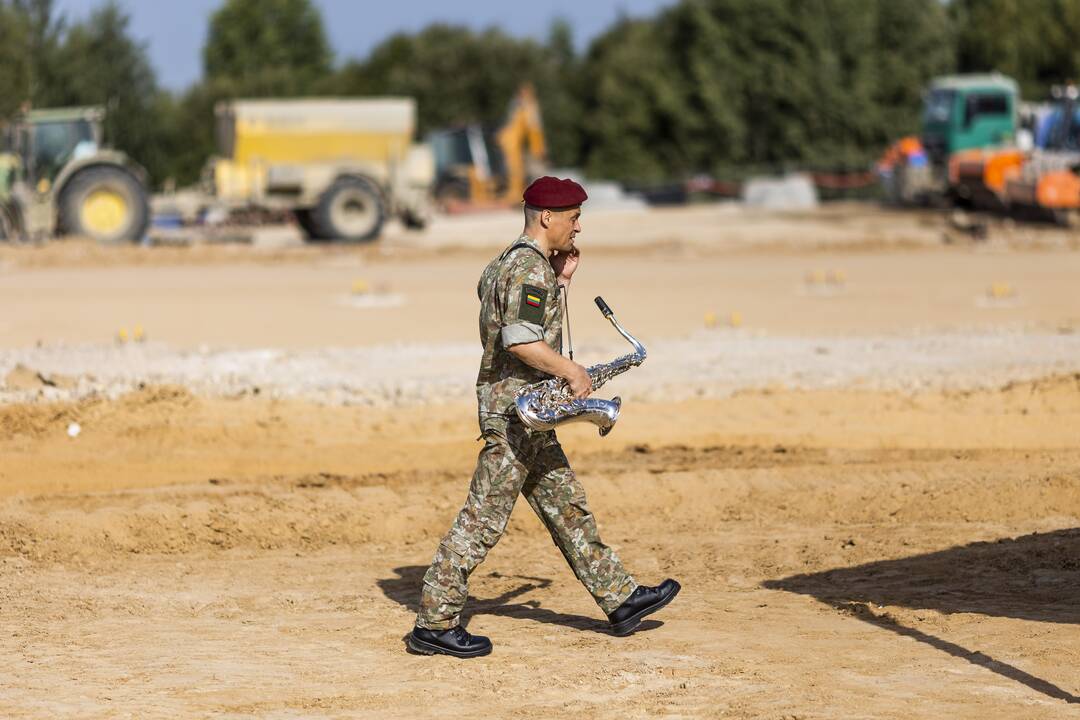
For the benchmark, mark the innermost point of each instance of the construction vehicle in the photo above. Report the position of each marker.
(1044, 181)
(57, 178)
(477, 168)
(341, 166)
(961, 114)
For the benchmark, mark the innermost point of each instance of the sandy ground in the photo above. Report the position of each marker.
(870, 489)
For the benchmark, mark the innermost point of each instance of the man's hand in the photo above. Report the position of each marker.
(538, 355)
(564, 264)
(580, 382)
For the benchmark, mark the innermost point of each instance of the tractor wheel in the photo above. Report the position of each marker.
(350, 210)
(105, 203)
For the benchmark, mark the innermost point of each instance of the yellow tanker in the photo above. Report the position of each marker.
(341, 165)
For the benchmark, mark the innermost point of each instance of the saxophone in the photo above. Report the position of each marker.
(544, 405)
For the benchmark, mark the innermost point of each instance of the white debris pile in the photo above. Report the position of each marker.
(795, 191)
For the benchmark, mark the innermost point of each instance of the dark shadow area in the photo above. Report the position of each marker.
(405, 590)
(1034, 577)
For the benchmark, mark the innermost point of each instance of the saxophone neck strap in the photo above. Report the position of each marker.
(566, 314)
(521, 244)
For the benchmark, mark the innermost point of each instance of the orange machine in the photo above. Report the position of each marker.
(1043, 181)
(479, 170)
(980, 175)
(1049, 181)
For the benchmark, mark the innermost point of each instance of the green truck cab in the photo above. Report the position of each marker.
(960, 112)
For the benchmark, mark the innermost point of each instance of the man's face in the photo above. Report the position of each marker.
(563, 227)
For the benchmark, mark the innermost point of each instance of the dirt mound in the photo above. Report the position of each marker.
(34, 420)
(149, 404)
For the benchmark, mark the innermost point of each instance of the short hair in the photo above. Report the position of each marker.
(532, 214)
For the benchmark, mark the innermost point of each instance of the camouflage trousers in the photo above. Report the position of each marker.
(516, 460)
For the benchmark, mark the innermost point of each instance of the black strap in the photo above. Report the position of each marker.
(520, 244)
(566, 315)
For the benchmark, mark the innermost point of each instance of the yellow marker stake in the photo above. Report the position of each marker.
(122, 336)
(360, 287)
(736, 319)
(710, 319)
(137, 334)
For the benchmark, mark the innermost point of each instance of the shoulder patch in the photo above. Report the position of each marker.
(533, 300)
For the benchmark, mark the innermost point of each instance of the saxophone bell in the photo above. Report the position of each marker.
(536, 416)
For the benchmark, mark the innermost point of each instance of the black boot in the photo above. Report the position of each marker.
(455, 641)
(643, 601)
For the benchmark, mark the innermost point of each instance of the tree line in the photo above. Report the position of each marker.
(703, 86)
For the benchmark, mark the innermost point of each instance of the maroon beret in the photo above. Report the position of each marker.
(550, 192)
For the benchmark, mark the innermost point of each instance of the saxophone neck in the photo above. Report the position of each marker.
(639, 349)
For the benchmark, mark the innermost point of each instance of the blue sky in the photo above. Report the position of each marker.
(174, 32)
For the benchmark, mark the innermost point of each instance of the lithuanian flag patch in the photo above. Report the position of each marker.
(532, 304)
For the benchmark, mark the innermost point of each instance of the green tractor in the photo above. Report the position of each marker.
(56, 178)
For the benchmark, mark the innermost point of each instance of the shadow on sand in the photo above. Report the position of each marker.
(405, 590)
(1034, 577)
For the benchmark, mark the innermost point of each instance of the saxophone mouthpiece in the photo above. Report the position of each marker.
(603, 306)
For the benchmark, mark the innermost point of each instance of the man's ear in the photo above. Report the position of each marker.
(545, 217)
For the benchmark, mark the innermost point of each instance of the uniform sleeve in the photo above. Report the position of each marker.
(529, 299)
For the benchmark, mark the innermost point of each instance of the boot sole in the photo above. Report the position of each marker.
(426, 648)
(628, 625)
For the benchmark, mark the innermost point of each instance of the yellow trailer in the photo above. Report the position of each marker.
(341, 165)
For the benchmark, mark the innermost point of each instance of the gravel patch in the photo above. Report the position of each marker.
(709, 364)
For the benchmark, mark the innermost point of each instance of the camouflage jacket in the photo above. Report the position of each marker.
(519, 303)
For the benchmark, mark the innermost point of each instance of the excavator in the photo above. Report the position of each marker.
(1043, 181)
(478, 169)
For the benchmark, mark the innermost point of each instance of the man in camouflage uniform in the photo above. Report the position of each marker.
(521, 331)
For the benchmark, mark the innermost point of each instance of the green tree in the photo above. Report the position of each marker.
(712, 84)
(560, 89)
(631, 106)
(915, 42)
(1033, 41)
(101, 64)
(30, 35)
(456, 75)
(459, 76)
(267, 48)
(189, 131)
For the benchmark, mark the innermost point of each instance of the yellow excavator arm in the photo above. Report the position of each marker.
(522, 141)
